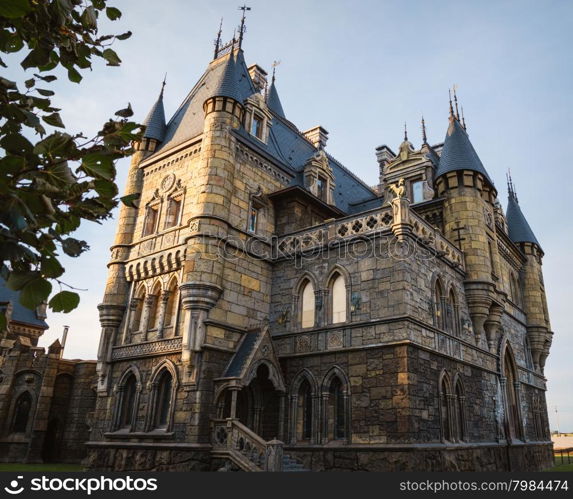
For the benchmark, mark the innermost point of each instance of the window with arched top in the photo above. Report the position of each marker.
(304, 416)
(22, 410)
(452, 314)
(338, 299)
(308, 305)
(439, 299)
(336, 411)
(170, 319)
(163, 400)
(153, 304)
(511, 397)
(138, 305)
(460, 412)
(445, 411)
(127, 402)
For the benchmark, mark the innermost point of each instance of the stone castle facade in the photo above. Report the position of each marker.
(46, 401)
(266, 309)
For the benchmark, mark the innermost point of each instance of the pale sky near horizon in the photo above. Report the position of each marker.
(361, 69)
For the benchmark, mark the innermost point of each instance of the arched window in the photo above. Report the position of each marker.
(171, 305)
(336, 411)
(163, 400)
(139, 303)
(445, 409)
(515, 290)
(439, 299)
(453, 314)
(460, 412)
(304, 417)
(307, 305)
(511, 398)
(153, 304)
(338, 300)
(22, 411)
(127, 404)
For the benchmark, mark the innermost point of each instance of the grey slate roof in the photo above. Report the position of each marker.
(274, 102)
(19, 312)
(155, 121)
(517, 226)
(458, 152)
(235, 367)
(229, 76)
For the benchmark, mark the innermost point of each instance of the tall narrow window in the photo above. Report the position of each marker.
(128, 402)
(321, 188)
(173, 211)
(22, 413)
(336, 417)
(445, 409)
(304, 412)
(308, 305)
(163, 400)
(170, 307)
(418, 191)
(257, 127)
(511, 397)
(460, 412)
(153, 304)
(253, 219)
(139, 303)
(338, 299)
(439, 306)
(453, 315)
(150, 221)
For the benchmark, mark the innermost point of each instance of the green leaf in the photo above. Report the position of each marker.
(51, 267)
(54, 120)
(131, 200)
(105, 188)
(89, 19)
(124, 36)
(125, 113)
(113, 13)
(74, 76)
(99, 165)
(73, 247)
(35, 292)
(17, 280)
(13, 9)
(44, 92)
(16, 144)
(47, 78)
(64, 301)
(36, 58)
(111, 57)
(30, 83)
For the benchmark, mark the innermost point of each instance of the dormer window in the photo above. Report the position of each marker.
(253, 219)
(257, 127)
(173, 212)
(418, 191)
(321, 188)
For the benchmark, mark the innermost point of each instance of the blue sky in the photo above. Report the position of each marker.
(361, 69)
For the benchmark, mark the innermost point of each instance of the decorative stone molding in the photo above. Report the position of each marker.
(147, 349)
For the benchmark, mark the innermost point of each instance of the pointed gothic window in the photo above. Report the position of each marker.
(153, 304)
(22, 413)
(338, 299)
(170, 307)
(511, 398)
(439, 319)
(460, 412)
(127, 412)
(445, 409)
(307, 305)
(304, 412)
(336, 413)
(163, 400)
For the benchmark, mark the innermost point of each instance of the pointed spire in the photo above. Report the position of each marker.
(227, 84)
(517, 227)
(456, 101)
(242, 27)
(451, 106)
(405, 132)
(218, 40)
(424, 137)
(155, 120)
(463, 119)
(273, 100)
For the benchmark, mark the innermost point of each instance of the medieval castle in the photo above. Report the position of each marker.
(265, 309)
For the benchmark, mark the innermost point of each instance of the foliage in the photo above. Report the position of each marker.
(51, 181)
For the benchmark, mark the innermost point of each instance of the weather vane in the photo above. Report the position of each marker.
(244, 8)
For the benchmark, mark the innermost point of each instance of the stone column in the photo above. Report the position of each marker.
(492, 325)
(401, 225)
(282, 414)
(149, 304)
(162, 309)
(292, 419)
(110, 317)
(129, 330)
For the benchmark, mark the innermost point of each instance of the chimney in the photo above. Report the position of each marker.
(318, 136)
(259, 77)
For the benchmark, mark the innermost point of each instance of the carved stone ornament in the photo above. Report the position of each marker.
(168, 182)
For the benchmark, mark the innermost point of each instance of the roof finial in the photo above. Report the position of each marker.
(405, 132)
(510, 186)
(218, 40)
(456, 101)
(451, 106)
(163, 85)
(275, 64)
(463, 119)
(242, 28)
(424, 138)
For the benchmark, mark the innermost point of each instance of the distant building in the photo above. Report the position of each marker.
(259, 292)
(46, 402)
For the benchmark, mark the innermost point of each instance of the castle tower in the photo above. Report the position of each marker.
(115, 300)
(470, 196)
(534, 300)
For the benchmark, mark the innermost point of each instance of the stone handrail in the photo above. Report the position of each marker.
(244, 447)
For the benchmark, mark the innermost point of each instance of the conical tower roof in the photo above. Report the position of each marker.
(458, 152)
(155, 120)
(274, 102)
(517, 226)
(228, 83)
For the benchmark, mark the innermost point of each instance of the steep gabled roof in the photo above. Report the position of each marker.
(155, 121)
(458, 152)
(517, 226)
